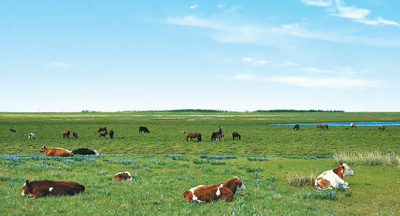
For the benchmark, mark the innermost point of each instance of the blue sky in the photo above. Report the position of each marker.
(63, 56)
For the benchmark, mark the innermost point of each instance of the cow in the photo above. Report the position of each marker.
(236, 135)
(382, 127)
(74, 135)
(217, 135)
(41, 188)
(296, 127)
(13, 131)
(84, 151)
(102, 129)
(182, 132)
(352, 125)
(208, 193)
(194, 135)
(334, 178)
(123, 176)
(103, 135)
(51, 152)
(66, 133)
(111, 133)
(31, 136)
(144, 130)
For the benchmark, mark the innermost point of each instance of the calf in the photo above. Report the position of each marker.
(334, 178)
(51, 152)
(84, 151)
(208, 193)
(31, 136)
(123, 176)
(144, 130)
(43, 188)
(236, 135)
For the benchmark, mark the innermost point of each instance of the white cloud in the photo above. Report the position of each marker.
(320, 3)
(315, 70)
(221, 6)
(254, 62)
(61, 64)
(193, 6)
(244, 77)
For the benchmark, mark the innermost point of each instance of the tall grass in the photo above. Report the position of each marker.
(367, 158)
(302, 179)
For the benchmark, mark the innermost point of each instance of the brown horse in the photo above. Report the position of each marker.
(66, 134)
(382, 127)
(319, 126)
(103, 135)
(353, 125)
(194, 135)
(326, 126)
(102, 129)
(217, 135)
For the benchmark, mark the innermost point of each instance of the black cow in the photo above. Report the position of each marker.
(296, 127)
(144, 130)
(111, 133)
(85, 151)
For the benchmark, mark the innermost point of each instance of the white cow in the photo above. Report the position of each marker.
(31, 136)
(334, 178)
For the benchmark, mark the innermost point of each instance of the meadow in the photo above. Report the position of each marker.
(270, 159)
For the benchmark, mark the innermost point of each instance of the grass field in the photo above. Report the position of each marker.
(164, 165)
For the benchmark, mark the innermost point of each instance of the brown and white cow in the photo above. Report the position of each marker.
(43, 188)
(208, 193)
(334, 178)
(123, 176)
(50, 152)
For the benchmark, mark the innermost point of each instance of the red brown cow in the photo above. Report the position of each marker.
(194, 135)
(102, 129)
(43, 188)
(382, 127)
(51, 152)
(208, 193)
(122, 176)
(66, 134)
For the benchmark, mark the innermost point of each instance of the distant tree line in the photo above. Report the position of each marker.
(256, 111)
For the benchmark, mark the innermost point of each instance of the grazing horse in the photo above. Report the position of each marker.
(326, 126)
(66, 134)
(319, 126)
(296, 127)
(144, 130)
(111, 134)
(74, 135)
(382, 127)
(102, 129)
(353, 125)
(194, 135)
(13, 131)
(103, 135)
(217, 135)
(235, 135)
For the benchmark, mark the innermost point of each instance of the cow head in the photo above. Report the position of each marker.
(43, 149)
(26, 190)
(346, 170)
(237, 185)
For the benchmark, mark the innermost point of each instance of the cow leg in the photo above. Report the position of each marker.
(226, 194)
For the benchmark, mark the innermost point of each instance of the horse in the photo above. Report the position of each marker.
(103, 135)
(319, 126)
(111, 134)
(382, 127)
(217, 135)
(74, 135)
(144, 130)
(326, 126)
(66, 134)
(296, 127)
(353, 125)
(194, 135)
(235, 135)
(13, 131)
(102, 129)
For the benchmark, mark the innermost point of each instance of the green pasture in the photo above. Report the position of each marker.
(164, 165)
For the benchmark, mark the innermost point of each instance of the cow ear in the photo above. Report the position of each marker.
(338, 165)
(27, 182)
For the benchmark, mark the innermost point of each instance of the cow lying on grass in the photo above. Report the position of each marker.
(208, 193)
(50, 152)
(334, 178)
(84, 151)
(43, 188)
(123, 176)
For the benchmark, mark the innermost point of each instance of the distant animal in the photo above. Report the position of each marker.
(66, 133)
(296, 127)
(84, 151)
(223, 191)
(74, 135)
(31, 136)
(326, 126)
(236, 135)
(382, 127)
(194, 135)
(346, 128)
(319, 126)
(370, 129)
(13, 131)
(102, 129)
(123, 176)
(182, 132)
(103, 135)
(41, 188)
(334, 177)
(144, 130)
(51, 152)
(352, 125)
(217, 135)
(111, 134)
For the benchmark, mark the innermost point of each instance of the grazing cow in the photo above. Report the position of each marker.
(41, 188)
(74, 135)
(144, 130)
(194, 135)
(103, 135)
(236, 135)
(382, 127)
(84, 151)
(296, 127)
(102, 129)
(111, 134)
(182, 132)
(31, 136)
(123, 176)
(13, 131)
(334, 178)
(217, 135)
(50, 152)
(208, 193)
(352, 125)
(66, 134)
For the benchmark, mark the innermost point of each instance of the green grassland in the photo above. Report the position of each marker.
(160, 179)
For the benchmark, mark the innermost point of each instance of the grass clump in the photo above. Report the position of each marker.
(367, 158)
(301, 179)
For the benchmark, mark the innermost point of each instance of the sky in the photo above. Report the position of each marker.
(128, 55)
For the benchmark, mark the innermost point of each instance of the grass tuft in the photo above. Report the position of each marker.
(367, 158)
(301, 179)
